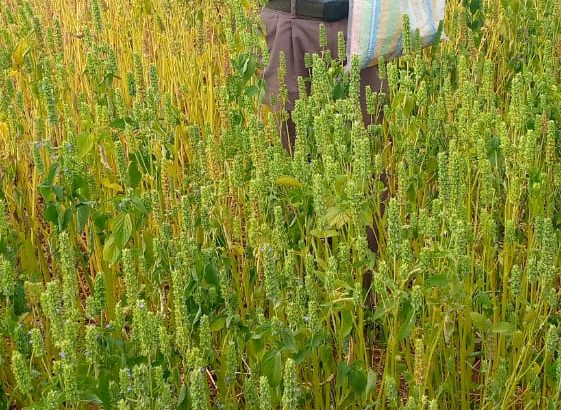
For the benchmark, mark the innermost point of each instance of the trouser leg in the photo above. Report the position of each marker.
(368, 77)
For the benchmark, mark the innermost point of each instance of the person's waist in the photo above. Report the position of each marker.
(328, 11)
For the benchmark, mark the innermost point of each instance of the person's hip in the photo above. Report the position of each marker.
(328, 11)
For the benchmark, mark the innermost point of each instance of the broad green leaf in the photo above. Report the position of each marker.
(218, 324)
(408, 106)
(252, 91)
(324, 234)
(357, 378)
(337, 217)
(342, 372)
(51, 174)
(438, 280)
(288, 181)
(346, 324)
(135, 176)
(100, 220)
(381, 310)
(398, 100)
(82, 215)
(85, 143)
(182, 395)
(504, 328)
(51, 213)
(91, 398)
(480, 321)
(28, 260)
(255, 347)
(272, 367)
(111, 251)
(211, 274)
(122, 229)
(120, 123)
(371, 382)
(326, 356)
(249, 68)
(518, 338)
(65, 218)
(407, 314)
(111, 185)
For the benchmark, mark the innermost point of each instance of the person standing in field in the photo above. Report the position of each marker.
(293, 27)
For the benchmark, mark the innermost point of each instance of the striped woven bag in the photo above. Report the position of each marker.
(376, 26)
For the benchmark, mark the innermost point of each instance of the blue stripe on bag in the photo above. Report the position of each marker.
(428, 4)
(373, 30)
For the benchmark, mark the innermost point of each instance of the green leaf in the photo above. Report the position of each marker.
(398, 100)
(326, 357)
(28, 262)
(51, 213)
(339, 91)
(357, 378)
(65, 220)
(371, 382)
(111, 252)
(346, 324)
(288, 181)
(255, 347)
(286, 342)
(346, 401)
(85, 143)
(218, 324)
(120, 123)
(122, 229)
(504, 328)
(211, 274)
(324, 234)
(249, 68)
(51, 174)
(100, 220)
(381, 310)
(515, 5)
(135, 175)
(252, 91)
(59, 192)
(91, 398)
(82, 215)
(79, 186)
(480, 321)
(408, 314)
(438, 281)
(182, 395)
(272, 367)
(408, 106)
(342, 371)
(518, 338)
(337, 217)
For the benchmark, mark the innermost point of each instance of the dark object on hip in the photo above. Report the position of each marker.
(329, 11)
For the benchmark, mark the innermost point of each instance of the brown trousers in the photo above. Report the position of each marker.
(295, 37)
